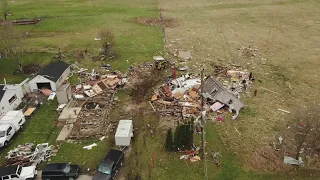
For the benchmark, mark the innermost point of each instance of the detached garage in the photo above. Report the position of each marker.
(50, 77)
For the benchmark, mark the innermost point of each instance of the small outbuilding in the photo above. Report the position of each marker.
(50, 77)
(124, 133)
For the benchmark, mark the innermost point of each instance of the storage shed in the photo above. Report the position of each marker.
(50, 77)
(124, 133)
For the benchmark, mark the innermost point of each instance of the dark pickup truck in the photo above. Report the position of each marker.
(110, 165)
(61, 171)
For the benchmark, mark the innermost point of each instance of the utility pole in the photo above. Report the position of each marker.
(202, 118)
(203, 126)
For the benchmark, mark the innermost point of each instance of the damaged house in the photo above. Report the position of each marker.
(50, 77)
(214, 90)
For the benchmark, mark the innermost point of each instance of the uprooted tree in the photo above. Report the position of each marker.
(5, 8)
(11, 44)
(306, 131)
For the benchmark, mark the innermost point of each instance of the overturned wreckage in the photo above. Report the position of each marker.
(180, 97)
(213, 90)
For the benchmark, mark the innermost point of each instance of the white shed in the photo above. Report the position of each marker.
(50, 77)
(124, 133)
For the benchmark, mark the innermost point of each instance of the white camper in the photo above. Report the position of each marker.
(124, 133)
(13, 118)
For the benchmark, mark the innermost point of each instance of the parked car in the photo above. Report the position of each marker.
(110, 165)
(6, 133)
(60, 171)
(17, 173)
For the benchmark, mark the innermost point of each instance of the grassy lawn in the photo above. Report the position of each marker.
(72, 26)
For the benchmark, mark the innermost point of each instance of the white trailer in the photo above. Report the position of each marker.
(124, 133)
(13, 118)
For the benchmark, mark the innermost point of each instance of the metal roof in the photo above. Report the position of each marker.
(54, 70)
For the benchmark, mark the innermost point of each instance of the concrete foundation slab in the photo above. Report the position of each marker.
(69, 114)
(66, 130)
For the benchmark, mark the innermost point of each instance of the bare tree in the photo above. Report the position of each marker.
(5, 8)
(11, 44)
(307, 129)
(107, 39)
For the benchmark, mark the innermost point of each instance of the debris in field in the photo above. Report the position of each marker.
(282, 110)
(158, 22)
(216, 157)
(184, 157)
(185, 68)
(97, 39)
(280, 139)
(195, 158)
(29, 154)
(185, 55)
(249, 51)
(216, 106)
(102, 138)
(89, 147)
(292, 161)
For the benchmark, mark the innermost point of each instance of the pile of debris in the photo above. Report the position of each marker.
(180, 97)
(235, 79)
(98, 86)
(29, 154)
(192, 155)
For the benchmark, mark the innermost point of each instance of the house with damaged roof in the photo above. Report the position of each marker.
(50, 77)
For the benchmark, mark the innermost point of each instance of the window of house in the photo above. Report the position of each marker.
(12, 99)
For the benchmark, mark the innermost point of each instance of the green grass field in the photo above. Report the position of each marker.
(213, 30)
(72, 25)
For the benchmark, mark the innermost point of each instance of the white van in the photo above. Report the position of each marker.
(6, 133)
(14, 118)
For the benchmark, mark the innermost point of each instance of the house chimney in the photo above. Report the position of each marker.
(4, 80)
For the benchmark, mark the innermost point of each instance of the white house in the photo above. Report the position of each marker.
(10, 97)
(50, 77)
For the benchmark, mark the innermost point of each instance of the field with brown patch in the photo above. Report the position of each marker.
(286, 36)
